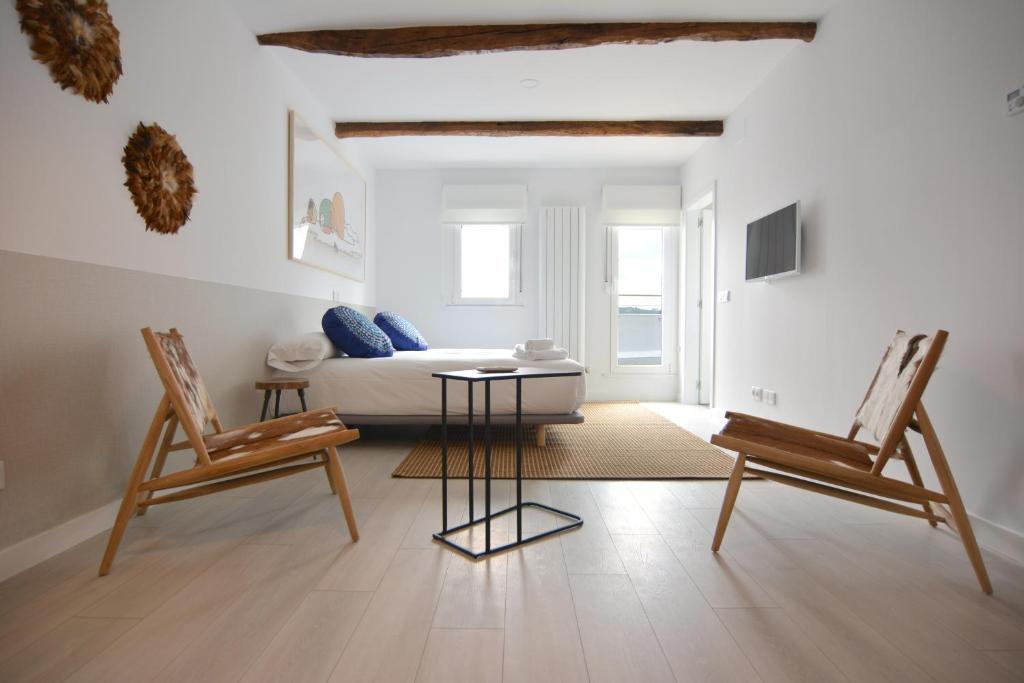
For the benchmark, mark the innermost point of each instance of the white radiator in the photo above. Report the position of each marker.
(562, 282)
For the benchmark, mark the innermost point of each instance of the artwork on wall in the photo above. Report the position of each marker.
(159, 178)
(77, 40)
(326, 205)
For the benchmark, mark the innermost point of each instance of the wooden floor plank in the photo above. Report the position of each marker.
(618, 641)
(148, 648)
(308, 647)
(776, 646)
(462, 656)
(62, 651)
(588, 549)
(388, 642)
(542, 641)
(695, 641)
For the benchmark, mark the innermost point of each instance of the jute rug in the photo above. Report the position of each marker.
(617, 441)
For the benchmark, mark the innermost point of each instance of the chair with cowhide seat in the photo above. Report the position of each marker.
(224, 459)
(846, 468)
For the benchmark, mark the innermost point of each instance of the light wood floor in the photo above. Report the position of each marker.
(262, 584)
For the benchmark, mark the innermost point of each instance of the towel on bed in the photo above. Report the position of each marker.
(540, 344)
(522, 353)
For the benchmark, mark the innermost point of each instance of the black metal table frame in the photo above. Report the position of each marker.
(575, 520)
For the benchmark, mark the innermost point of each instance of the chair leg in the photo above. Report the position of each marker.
(337, 474)
(542, 433)
(961, 522)
(161, 458)
(131, 495)
(915, 474)
(731, 491)
(324, 459)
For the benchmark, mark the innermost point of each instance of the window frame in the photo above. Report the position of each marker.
(669, 235)
(453, 270)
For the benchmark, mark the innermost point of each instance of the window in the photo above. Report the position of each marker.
(485, 263)
(642, 309)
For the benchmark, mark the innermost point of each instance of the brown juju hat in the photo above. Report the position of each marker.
(159, 178)
(77, 40)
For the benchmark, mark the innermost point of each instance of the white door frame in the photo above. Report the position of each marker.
(690, 294)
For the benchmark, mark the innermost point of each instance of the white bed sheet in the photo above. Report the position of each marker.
(402, 385)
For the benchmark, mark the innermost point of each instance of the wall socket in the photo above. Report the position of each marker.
(757, 393)
(3, 476)
(770, 397)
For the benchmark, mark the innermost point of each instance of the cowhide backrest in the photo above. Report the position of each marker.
(183, 372)
(891, 386)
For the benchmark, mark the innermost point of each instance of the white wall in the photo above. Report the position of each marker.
(890, 129)
(196, 70)
(411, 277)
(73, 347)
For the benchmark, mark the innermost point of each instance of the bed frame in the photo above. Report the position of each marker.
(540, 421)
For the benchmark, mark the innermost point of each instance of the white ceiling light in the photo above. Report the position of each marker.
(529, 83)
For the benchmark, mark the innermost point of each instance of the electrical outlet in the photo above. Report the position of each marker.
(3, 476)
(770, 397)
(756, 393)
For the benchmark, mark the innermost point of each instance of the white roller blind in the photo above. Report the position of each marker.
(483, 204)
(641, 204)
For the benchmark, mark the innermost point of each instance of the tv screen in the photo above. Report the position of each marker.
(773, 244)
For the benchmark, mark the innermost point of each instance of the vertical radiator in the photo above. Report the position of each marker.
(562, 281)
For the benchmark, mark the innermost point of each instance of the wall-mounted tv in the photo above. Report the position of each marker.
(773, 244)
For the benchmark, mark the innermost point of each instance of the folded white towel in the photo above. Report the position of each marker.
(540, 344)
(551, 354)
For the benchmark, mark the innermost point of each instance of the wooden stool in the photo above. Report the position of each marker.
(299, 384)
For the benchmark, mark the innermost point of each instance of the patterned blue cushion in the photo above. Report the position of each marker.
(355, 334)
(403, 333)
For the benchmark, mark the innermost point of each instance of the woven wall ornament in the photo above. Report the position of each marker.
(77, 40)
(159, 178)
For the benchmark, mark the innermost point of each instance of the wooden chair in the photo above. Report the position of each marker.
(257, 452)
(850, 469)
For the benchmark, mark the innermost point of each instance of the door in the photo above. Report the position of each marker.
(705, 228)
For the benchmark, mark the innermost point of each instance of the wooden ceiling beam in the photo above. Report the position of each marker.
(380, 129)
(446, 41)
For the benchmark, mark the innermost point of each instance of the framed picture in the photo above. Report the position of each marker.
(326, 205)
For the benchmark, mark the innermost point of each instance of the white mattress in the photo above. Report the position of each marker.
(402, 385)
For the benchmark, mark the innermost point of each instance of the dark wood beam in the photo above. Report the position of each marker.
(380, 129)
(445, 41)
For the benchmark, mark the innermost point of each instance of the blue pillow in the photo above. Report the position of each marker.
(353, 333)
(403, 333)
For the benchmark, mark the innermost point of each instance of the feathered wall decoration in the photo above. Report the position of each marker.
(159, 178)
(77, 40)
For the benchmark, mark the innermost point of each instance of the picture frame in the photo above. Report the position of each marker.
(326, 205)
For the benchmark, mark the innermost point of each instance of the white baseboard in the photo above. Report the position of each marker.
(998, 538)
(17, 558)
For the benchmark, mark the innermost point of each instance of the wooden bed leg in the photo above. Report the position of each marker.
(731, 491)
(337, 475)
(541, 435)
(961, 522)
(131, 495)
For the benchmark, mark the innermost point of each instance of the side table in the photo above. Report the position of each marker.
(298, 384)
(472, 377)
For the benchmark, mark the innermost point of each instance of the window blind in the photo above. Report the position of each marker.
(483, 204)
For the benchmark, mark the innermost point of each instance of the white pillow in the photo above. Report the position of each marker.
(300, 353)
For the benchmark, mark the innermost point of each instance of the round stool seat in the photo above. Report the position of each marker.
(282, 384)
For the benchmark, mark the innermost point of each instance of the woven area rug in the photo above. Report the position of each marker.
(617, 441)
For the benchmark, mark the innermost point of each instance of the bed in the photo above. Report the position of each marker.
(400, 389)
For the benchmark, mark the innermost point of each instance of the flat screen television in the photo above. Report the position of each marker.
(773, 244)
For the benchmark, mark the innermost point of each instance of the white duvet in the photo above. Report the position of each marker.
(402, 385)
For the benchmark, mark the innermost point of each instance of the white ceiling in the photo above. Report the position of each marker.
(684, 80)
